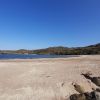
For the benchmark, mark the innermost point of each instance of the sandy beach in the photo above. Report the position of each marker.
(46, 79)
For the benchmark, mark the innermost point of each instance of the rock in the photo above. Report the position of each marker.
(90, 96)
(77, 97)
(85, 96)
(96, 80)
(78, 88)
(87, 75)
(97, 94)
(98, 89)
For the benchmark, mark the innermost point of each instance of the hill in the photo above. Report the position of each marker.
(92, 49)
(60, 50)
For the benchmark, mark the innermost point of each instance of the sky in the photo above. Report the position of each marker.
(34, 24)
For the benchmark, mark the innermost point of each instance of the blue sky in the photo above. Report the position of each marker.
(33, 24)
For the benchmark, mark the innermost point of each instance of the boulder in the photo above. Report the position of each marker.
(96, 80)
(77, 97)
(78, 88)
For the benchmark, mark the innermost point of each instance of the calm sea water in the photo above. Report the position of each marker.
(32, 56)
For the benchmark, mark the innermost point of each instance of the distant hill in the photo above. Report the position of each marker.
(92, 49)
(60, 50)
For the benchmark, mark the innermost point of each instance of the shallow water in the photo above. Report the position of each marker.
(32, 56)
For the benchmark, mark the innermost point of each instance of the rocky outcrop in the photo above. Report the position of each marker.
(94, 95)
(95, 80)
(78, 88)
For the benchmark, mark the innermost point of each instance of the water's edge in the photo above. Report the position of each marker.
(32, 56)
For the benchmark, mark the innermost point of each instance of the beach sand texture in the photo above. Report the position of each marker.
(46, 79)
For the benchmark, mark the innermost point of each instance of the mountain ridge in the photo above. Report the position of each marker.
(59, 50)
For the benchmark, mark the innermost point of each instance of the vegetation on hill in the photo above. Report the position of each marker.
(92, 49)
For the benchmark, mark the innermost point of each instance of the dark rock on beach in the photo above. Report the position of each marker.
(95, 80)
(77, 97)
(85, 96)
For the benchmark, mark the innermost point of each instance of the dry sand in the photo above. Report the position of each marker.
(45, 79)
